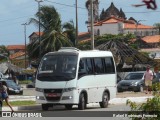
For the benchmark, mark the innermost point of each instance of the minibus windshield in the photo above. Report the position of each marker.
(57, 68)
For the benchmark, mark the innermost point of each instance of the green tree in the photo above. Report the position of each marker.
(4, 53)
(150, 107)
(70, 31)
(53, 37)
(3, 50)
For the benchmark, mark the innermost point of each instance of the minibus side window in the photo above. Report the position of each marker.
(89, 66)
(98, 65)
(109, 65)
(85, 67)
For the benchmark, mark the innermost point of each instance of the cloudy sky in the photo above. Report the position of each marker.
(13, 13)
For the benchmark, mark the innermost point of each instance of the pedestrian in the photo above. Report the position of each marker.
(148, 77)
(4, 95)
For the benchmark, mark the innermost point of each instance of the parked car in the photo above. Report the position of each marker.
(134, 81)
(12, 87)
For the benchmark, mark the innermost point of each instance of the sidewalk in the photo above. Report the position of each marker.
(121, 99)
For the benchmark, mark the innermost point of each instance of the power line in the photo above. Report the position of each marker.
(64, 4)
(74, 7)
(14, 18)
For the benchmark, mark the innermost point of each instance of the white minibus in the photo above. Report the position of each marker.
(74, 77)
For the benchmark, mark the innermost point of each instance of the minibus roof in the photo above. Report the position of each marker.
(86, 53)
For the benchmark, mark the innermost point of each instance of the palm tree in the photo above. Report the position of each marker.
(70, 31)
(53, 38)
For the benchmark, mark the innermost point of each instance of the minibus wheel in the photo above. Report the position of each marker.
(45, 107)
(82, 102)
(105, 99)
(68, 107)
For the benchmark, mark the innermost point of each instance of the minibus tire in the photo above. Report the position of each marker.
(105, 100)
(82, 102)
(45, 107)
(68, 106)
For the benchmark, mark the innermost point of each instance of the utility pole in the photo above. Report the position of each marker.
(76, 40)
(92, 25)
(25, 63)
(39, 1)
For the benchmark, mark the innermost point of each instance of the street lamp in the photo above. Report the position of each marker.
(24, 24)
(76, 23)
(39, 1)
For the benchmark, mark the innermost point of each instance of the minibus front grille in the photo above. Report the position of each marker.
(53, 94)
(52, 90)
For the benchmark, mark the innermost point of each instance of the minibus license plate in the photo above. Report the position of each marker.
(52, 95)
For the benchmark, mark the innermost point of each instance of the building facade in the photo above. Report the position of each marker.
(114, 25)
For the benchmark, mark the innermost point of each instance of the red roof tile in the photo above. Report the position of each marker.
(134, 26)
(15, 47)
(151, 39)
(83, 33)
(37, 33)
(110, 20)
(128, 24)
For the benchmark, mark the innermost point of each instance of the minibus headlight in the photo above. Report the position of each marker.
(69, 89)
(39, 89)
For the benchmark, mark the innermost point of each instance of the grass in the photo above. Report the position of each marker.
(24, 81)
(20, 103)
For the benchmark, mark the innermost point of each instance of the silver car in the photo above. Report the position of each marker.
(134, 81)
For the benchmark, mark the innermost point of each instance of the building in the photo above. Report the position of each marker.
(114, 25)
(17, 55)
(34, 36)
(114, 21)
(112, 11)
(15, 48)
(18, 59)
(150, 41)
